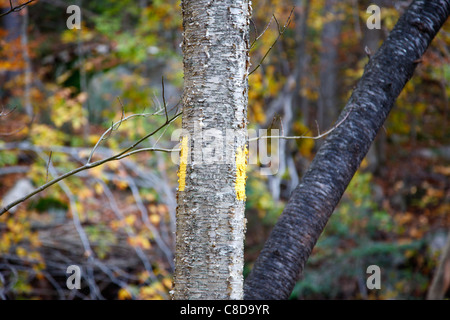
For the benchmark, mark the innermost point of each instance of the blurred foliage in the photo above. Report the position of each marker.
(387, 217)
(360, 234)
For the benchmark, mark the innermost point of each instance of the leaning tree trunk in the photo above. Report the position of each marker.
(284, 255)
(211, 193)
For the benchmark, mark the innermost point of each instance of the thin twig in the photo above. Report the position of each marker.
(89, 165)
(110, 130)
(262, 33)
(144, 215)
(17, 130)
(146, 149)
(119, 214)
(48, 164)
(160, 136)
(107, 133)
(16, 8)
(280, 33)
(319, 136)
(89, 253)
(123, 113)
(256, 30)
(3, 114)
(164, 98)
(278, 24)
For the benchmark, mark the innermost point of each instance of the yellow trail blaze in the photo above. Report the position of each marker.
(241, 175)
(183, 163)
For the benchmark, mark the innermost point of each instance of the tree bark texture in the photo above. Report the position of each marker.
(211, 193)
(285, 253)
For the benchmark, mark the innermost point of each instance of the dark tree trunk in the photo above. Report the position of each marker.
(285, 253)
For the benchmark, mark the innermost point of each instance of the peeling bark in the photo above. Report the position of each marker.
(211, 197)
(284, 255)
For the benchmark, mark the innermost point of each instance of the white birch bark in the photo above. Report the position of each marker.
(211, 194)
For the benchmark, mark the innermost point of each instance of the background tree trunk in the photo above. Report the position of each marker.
(284, 104)
(11, 23)
(285, 253)
(441, 279)
(371, 39)
(16, 26)
(211, 194)
(27, 61)
(328, 103)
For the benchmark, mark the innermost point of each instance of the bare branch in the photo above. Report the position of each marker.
(164, 99)
(89, 253)
(278, 24)
(5, 114)
(318, 128)
(262, 33)
(119, 214)
(304, 136)
(107, 133)
(17, 130)
(145, 149)
(123, 113)
(15, 8)
(89, 164)
(280, 33)
(48, 164)
(144, 215)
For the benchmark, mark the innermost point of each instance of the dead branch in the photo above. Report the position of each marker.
(126, 152)
(280, 33)
(13, 8)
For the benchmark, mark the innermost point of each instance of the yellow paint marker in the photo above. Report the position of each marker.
(183, 163)
(241, 172)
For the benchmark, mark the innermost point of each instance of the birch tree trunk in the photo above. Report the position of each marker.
(285, 253)
(211, 193)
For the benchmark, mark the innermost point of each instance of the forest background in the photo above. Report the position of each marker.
(61, 89)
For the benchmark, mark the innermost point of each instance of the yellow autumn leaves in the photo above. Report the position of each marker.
(155, 291)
